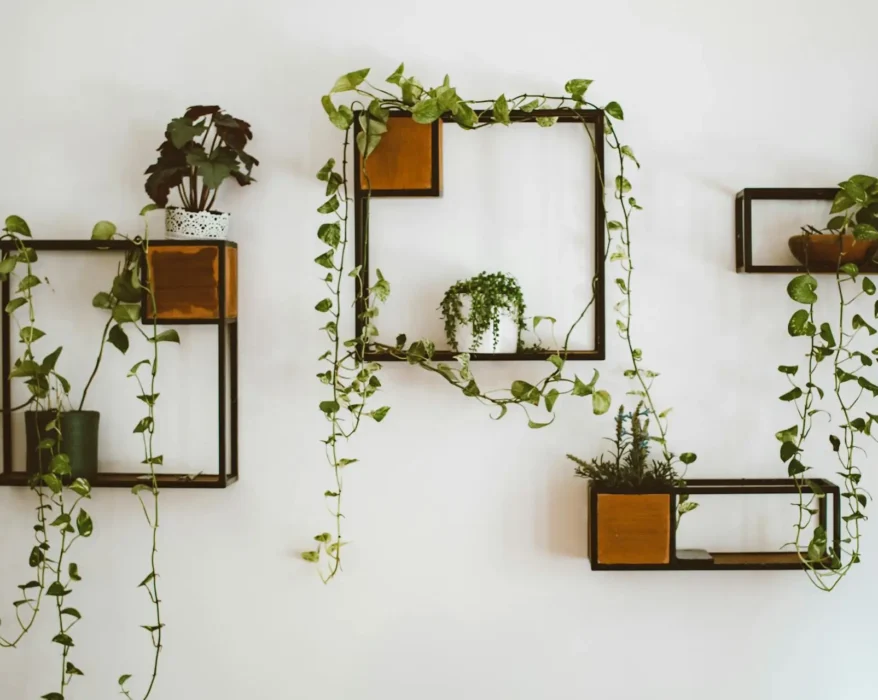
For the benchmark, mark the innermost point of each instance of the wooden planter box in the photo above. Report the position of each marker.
(408, 161)
(190, 279)
(628, 527)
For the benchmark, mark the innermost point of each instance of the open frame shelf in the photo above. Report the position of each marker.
(702, 560)
(744, 227)
(227, 360)
(587, 117)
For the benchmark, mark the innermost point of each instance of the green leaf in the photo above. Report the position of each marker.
(501, 110)
(329, 206)
(471, 389)
(118, 338)
(551, 398)
(788, 435)
(788, 451)
(53, 482)
(536, 426)
(152, 206)
(350, 81)
(397, 75)
(63, 639)
(102, 300)
(84, 525)
(16, 303)
(868, 286)
(600, 402)
(367, 147)
(104, 230)
(340, 118)
(15, 224)
(7, 265)
(29, 334)
(36, 557)
(849, 269)
(73, 572)
(324, 305)
(867, 385)
(826, 334)
(614, 110)
(628, 153)
(788, 369)
(27, 282)
(126, 313)
(842, 202)
(62, 519)
(51, 360)
(311, 556)
(464, 115)
(70, 669)
(857, 322)
(577, 87)
(143, 425)
(324, 172)
(865, 232)
(124, 678)
(800, 324)
(525, 392)
(57, 590)
(329, 407)
(330, 234)
(379, 413)
(688, 458)
(795, 468)
(622, 185)
(52, 696)
(326, 260)
(60, 465)
(582, 389)
(792, 394)
(427, 111)
(81, 486)
(169, 336)
(557, 361)
(530, 106)
(546, 122)
(801, 289)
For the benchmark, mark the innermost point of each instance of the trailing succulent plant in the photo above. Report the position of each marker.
(628, 464)
(489, 295)
(205, 145)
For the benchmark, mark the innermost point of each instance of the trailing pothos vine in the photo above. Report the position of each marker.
(352, 379)
(840, 342)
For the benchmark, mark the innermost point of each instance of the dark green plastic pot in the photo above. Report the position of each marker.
(79, 440)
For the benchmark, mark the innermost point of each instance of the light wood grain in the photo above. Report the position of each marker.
(633, 528)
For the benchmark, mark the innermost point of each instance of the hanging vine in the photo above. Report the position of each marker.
(352, 379)
(827, 563)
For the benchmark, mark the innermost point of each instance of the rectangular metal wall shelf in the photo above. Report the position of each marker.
(702, 560)
(744, 226)
(227, 359)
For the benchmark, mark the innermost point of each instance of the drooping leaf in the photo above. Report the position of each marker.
(800, 324)
(577, 87)
(427, 111)
(551, 398)
(600, 402)
(379, 413)
(168, 336)
(614, 109)
(118, 338)
(103, 230)
(350, 81)
(801, 289)
(15, 224)
(501, 110)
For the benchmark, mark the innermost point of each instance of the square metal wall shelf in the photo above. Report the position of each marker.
(227, 360)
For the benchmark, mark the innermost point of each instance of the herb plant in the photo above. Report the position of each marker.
(629, 464)
(489, 295)
(838, 345)
(205, 145)
(352, 380)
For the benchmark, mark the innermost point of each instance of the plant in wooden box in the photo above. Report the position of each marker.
(630, 495)
(201, 150)
(351, 377)
(57, 447)
(840, 345)
(855, 205)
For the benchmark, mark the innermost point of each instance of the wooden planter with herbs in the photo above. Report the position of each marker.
(629, 526)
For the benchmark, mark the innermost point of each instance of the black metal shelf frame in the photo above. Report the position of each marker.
(227, 331)
(592, 117)
(758, 561)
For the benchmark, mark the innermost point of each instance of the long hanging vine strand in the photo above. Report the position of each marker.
(352, 379)
(146, 427)
(44, 384)
(827, 563)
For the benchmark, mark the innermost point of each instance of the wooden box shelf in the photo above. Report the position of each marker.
(196, 283)
(634, 535)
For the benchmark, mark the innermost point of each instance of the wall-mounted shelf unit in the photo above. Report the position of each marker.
(744, 226)
(195, 283)
(644, 530)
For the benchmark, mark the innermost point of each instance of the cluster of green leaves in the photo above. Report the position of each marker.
(855, 208)
(489, 296)
(629, 464)
(205, 143)
(353, 380)
(837, 345)
(60, 521)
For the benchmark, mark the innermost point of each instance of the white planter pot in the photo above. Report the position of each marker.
(196, 225)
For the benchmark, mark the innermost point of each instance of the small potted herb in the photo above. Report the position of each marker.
(201, 150)
(488, 296)
(844, 238)
(630, 495)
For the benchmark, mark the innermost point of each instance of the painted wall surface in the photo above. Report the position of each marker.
(467, 575)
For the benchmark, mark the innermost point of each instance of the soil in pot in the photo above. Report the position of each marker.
(79, 431)
(824, 249)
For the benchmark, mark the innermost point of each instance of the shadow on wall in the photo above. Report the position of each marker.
(565, 521)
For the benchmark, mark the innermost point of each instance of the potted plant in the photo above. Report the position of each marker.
(478, 303)
(201, 150)
(630, 495)
(855, 205)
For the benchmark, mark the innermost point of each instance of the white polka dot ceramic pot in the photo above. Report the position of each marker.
(185, 225)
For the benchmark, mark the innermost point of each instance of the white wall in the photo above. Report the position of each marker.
(467, 577)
